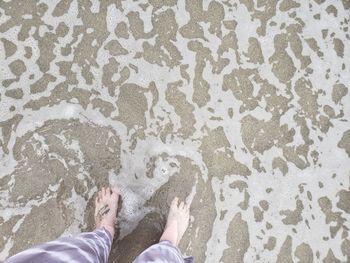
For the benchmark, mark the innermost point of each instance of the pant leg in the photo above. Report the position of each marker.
(163, 252)
(92, 247)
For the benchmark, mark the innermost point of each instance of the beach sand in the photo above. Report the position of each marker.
(241, 108)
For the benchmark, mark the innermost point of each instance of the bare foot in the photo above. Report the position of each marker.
(106, 206)
(177, 222)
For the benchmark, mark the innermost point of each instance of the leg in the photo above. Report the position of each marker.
(177, 222)
(166, 250)
(87, 247)
(106, 206)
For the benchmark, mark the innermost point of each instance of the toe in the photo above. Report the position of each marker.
(115, 196)
(175, 201)
(103, 191)
(99, 195)
(97, 203)
(108, 191)
(97, 200)
(181, 206)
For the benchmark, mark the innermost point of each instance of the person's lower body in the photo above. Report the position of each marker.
(90, 247)
(94, 247)
(167, 249)
(165, 252)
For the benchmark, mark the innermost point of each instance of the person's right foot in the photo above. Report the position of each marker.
(177, 222)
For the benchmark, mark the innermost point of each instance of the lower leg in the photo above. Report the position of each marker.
(177, 222)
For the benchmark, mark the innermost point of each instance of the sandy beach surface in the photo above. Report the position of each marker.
(241, 108)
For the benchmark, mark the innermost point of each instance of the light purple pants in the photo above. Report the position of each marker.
(93, 247)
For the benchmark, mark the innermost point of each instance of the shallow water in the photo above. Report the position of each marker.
(240, 108)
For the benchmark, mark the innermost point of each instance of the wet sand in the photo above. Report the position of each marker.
(240, 108)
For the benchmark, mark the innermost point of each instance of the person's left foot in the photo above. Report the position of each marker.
(106, 206)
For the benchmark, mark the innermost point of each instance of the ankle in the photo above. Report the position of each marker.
(110, 230)
(170, 234)
(169, 239)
